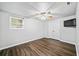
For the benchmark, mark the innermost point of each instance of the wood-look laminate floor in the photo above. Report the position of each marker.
(41, 47)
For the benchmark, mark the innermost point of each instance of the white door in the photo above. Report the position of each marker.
(54, 29)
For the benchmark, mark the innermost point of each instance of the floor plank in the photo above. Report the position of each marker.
(41, 47)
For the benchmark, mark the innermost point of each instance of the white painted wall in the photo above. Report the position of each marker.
(77, 28)
(33, 29)
(45, 28)
(67, 34)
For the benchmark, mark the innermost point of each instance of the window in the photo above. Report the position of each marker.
(16, 23)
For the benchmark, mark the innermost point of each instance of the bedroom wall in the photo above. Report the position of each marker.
(33, 29)
(77, 28)
(45, 28)
(67, 34)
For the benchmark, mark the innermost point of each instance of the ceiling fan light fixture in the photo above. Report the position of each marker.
(50, 17)
(43, 18)
(44, 15)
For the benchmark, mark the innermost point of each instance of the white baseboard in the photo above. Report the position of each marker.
(32, 40)
(69, 42)
(19, 43)
(64, 40)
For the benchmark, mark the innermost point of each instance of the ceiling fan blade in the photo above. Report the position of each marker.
(60, 14)
(30, 16)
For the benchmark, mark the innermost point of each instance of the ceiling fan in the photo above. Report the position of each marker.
(46, 15)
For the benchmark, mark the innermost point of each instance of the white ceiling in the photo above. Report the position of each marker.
(58, 9)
